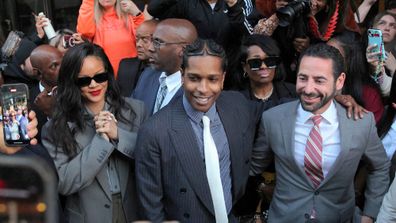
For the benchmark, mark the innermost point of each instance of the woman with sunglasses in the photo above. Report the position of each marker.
(92, 137)
(263, 67)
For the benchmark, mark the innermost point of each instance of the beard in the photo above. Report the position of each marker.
(313, 107)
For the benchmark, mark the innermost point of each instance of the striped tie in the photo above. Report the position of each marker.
(162, 91)
(313, 153)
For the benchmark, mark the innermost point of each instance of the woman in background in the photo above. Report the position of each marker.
(112, 25)
(92, 137)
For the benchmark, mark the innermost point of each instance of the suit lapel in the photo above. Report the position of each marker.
(288, 134)
(234, 137)
(346, 130)
(103, 180)
(186, 148)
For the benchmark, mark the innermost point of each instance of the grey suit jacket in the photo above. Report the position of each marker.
(147, 88)
(171, 177)
(334, 199)
(84, 180)
(387, 211)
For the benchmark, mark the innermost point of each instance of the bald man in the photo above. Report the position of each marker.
(46, 61)
(156, 88)
(130, 69)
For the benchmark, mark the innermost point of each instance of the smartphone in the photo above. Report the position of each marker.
(68, 41)
(375, 38)
(14, 98)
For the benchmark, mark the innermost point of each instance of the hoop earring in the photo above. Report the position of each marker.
(245, 75)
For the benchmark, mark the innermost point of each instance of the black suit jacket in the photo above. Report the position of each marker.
(128, 74)
(171, 177)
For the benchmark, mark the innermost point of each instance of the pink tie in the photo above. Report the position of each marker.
(313, 153)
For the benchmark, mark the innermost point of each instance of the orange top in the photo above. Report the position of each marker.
(112, 34)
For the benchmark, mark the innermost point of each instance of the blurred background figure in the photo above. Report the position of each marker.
(112, 25)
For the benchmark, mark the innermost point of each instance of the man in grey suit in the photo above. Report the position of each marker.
(317, 148)
(172, 157)
(156, 88)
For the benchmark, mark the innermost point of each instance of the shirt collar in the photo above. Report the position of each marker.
(41, 87)
(196, 116)
(330, 115)
(172, 81)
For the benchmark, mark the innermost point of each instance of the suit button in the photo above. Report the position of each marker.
(107, 205)
(316, 193)
(186, 215)
(183, 190)
(306, 215)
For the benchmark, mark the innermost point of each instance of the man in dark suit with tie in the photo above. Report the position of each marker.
(317, 149)
(157, 87)
(192, 157)
(130, 69)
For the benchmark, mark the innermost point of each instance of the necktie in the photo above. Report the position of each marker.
(163, 90)
(313, 153)
(213, 173)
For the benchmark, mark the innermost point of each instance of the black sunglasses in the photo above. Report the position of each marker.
(99, 78)
(271, 62)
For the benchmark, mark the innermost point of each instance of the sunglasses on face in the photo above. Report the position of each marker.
(270, 62)
(98, 78)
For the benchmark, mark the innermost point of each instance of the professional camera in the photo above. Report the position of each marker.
(294, 9)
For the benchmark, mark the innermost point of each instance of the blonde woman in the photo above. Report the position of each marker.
(112, 25)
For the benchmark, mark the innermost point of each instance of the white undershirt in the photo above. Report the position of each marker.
(389, 141)
(173, 83)
(330, 136)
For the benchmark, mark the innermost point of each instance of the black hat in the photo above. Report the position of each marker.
(26, 47)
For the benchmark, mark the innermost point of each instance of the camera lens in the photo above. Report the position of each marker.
(287, 14)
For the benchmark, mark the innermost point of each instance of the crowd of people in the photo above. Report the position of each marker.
(213, 111)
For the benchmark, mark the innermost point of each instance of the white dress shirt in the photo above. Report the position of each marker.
(389, 141)
(173, 83)
(330, 136)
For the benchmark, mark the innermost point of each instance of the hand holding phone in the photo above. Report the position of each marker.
(376, 44)
(14, 99)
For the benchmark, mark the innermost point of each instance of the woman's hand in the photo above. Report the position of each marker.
(352, 106)
(41, 21)
(129, 7)
(77, 38)
(106, 125)
(390, 63)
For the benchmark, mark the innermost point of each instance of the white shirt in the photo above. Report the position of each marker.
(330, 136)
(173, 83)
(389, 141)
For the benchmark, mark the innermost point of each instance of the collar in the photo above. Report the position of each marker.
(330, 115)
(196, 116)
(172, 81)
(41, 87)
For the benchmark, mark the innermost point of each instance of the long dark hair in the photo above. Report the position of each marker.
(69, 104)
(389, 114)
(356, 65)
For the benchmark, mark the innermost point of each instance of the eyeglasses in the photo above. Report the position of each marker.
(98, 78)
(157, 43)
(145, 39)
(271, 62)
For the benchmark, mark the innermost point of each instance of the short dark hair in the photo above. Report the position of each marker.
(201, 47)
(325, 51)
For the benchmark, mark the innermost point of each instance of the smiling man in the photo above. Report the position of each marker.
(192, 157)
(317, 149)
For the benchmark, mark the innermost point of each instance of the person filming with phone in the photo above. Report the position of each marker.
(383, 64)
